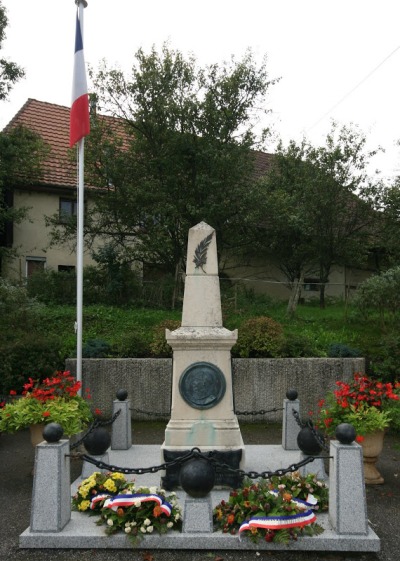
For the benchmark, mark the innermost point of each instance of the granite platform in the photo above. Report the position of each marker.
(81, 532)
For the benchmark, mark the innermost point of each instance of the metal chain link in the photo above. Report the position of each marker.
(196, 453)
(261, 412)
(96, 423)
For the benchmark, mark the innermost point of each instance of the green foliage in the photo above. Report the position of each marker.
(260, 337)
(342, 351)
(300, 345)
(384, 358)
(96, 348)
(52, 287)
(28, 355)
(10, 72)
(159, 346)
(380, 293)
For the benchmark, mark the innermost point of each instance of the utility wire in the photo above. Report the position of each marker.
(353, 89)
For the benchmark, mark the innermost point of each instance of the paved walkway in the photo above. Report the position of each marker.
(16, 460)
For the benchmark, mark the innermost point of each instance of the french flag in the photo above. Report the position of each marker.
(79, 116)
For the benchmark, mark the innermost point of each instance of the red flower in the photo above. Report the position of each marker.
(231, 519)
(46, 414)
(13, 392)
(359, 438)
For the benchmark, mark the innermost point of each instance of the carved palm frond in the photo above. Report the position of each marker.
(200, 254)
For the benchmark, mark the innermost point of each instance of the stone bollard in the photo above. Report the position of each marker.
(121, 436)
(347, 500)
(290, 428)
(51, 497)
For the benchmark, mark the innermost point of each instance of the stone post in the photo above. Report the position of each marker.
(347, 500)
(121, 435)
(290, 428)
(51, 498)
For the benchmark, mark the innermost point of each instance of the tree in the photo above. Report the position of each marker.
(21, 153)
(318, 207)
(184, 154)
(10, 72)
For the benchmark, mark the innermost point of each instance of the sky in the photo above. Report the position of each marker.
(336, 59)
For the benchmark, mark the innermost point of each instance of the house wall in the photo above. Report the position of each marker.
(31, 237)
(266, 278)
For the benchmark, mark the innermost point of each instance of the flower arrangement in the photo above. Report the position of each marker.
(101, 485)
(278, 511)
(124, 508)
(54, 400)
(363, 402)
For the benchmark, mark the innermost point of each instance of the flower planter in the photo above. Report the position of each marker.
(36, 433)
(372, 446)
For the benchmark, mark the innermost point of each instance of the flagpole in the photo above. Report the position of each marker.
(79, 262)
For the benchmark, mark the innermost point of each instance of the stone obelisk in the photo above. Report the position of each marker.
(202, 409)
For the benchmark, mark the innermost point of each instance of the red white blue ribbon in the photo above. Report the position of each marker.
(134, 499)
(97, 499)
(279, 522)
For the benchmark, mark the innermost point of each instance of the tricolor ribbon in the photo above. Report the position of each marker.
(279, 522)
(97, 499)
(132, 499)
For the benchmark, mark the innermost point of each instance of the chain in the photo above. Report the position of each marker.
(152, 413)
(196, 453)
(96, 423)
(261, 412)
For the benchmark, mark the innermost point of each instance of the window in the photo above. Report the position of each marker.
(68, 209)
(311, 285)
(35, 265)
(66, 268)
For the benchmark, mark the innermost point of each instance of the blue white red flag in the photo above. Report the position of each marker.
(79, 116)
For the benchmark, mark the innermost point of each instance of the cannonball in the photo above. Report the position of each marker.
(121, 394)
(345, 433)
(307, 442)
(197, 477)
(97, 442)
(292, 394)
(53, 432)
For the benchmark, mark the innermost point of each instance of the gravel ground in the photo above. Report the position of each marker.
(17, 457)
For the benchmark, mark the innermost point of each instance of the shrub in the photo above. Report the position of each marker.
(159, 346)
(384, 360)
(30, 356)
(300, 345)
(52, 287)
(260, 337)
(380, 293)
(132, 344)
(339, 350)
(96, 348)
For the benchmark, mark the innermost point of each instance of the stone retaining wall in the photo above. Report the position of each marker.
(257, 383)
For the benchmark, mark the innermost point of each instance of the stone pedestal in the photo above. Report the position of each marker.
(51, 497)
(121, 435)
(347, 500)
(290, 427)
(202, 412)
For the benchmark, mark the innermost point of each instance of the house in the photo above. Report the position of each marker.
(57, 193)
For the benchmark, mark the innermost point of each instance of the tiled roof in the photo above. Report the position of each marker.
(51, 122)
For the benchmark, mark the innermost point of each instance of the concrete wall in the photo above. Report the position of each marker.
(257, 383)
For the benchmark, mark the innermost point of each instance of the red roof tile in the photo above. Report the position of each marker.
(51, 122)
